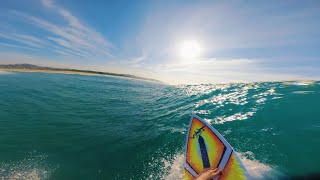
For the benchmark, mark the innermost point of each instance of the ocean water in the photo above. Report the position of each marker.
(56, 126)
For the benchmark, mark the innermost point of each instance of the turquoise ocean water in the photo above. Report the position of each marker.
(56, 126)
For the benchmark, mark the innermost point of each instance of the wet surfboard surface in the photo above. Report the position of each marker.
(205, 148)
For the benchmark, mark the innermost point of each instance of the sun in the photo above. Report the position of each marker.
(189, 49)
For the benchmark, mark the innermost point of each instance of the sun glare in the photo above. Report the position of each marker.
(189, 49)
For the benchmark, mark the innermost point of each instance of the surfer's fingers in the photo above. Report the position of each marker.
(210, 170)
(214, 169)
(215, 172)
(212, 174)
(207, 169)
(219, 172)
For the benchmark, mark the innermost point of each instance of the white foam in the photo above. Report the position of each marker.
(262, 100)
(300, 83)
(34, 174)
(236, 116)
(303, 92)
(33, 167)
(175, 168)
(257, 170)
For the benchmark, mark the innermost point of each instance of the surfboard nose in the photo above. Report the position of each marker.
(209, 149)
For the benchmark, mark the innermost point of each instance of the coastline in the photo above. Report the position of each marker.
(77, 72)
(288, 82)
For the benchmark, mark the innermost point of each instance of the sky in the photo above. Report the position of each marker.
(177, 42)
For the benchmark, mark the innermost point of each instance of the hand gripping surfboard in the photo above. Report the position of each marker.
(205, 148)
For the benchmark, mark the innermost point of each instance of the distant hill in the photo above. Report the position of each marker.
(61, 70)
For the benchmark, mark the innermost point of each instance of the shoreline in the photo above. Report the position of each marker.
(75, 72)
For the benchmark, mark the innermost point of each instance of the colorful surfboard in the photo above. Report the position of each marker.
(206, 147)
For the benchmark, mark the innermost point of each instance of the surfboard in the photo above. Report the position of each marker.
(206, 147)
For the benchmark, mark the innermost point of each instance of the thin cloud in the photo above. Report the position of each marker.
(72, 38)
(47, 3)
(22, 39)
(7, 45)
(79, 29)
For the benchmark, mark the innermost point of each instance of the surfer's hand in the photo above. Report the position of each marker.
(208, 174)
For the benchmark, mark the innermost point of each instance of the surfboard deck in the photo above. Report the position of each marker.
(206, 147)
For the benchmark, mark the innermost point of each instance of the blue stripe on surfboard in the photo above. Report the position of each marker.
(204, 153)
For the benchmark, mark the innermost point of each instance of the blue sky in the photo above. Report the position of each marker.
(237, 40)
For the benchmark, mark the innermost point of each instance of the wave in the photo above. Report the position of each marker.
(238, 102)
(257, 170)
(34, 167)
(300, 83)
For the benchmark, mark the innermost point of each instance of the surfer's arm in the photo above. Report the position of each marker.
(208, 174)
